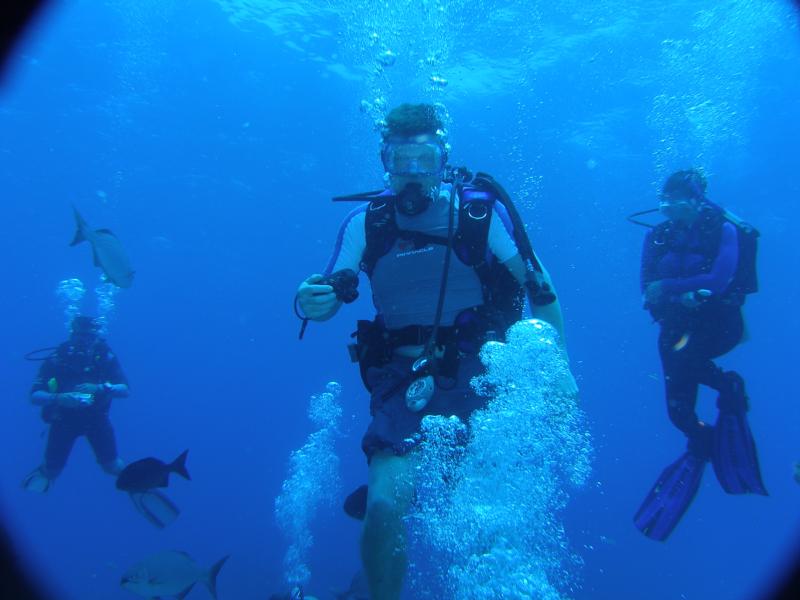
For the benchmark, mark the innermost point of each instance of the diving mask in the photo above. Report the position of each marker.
(414, 158)
(677, 207)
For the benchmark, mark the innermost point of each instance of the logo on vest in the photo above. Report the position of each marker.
(407, 249)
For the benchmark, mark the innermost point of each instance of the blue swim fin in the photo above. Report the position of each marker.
(155, 507)
(669, 498)
(734, 457)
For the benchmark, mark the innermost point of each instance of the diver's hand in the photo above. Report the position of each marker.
(695, 298)
(689, 300)
(653, 293)
(90, 388)
(74, 399)
(96, 388)
(318, 302)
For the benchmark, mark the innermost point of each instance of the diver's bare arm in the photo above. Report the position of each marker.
(119, 390)
(551, 312)
(43, 398)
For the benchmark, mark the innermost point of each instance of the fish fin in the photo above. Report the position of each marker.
(179, 466)
(80, 224)
(211, 581)
(95, 258)
(106, 231)
(185, 592)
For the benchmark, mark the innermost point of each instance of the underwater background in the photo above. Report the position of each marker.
(210, 137)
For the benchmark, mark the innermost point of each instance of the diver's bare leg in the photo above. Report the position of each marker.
(383, 540)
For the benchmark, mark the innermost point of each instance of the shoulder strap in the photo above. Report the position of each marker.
(538, 289)
(470, 241)
(381, 232)
(474, 217)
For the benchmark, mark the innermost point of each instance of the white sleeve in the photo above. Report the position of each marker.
(352, 246)
(501, 244)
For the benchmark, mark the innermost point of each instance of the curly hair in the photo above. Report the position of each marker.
(412, 119)
(690, 183)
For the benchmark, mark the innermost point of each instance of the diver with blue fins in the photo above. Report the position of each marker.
(450, 266)
(697, 268)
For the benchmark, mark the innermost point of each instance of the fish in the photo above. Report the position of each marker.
(107, 251)
(148, 473)
(170, 573)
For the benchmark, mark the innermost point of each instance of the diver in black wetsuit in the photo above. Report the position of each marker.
(697, 268)
(75, 387)
(688, 268)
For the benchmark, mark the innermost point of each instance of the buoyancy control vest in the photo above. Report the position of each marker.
(503, 297)
(480, 198)
(666, 237)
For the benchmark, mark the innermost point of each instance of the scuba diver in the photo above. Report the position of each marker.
(449, 265)
(697, 268)
(75, 386)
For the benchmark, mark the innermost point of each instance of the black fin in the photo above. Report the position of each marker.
(79, 225)
(179, 466)
(355, 505)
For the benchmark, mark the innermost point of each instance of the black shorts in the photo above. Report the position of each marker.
(394, 428)
(71, 425)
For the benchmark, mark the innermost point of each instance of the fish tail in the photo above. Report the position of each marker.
(80, 226)
(179, 466)
(211, 580)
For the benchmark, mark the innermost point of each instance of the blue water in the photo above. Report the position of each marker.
(210, 135)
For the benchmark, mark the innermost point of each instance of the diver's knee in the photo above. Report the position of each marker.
(733, 395)
(383, 529)
(383, 513)
(682, 416)
(113, 467)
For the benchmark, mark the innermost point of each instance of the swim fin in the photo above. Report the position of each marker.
(735, 458)
(669, 498)
(36, 481)
(155, 507)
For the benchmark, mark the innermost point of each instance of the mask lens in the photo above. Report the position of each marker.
(413, 159)
(671, 204)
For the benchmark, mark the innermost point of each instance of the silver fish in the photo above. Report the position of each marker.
(107, 250)
(170, 573)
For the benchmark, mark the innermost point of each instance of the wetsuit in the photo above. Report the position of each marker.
(694, 329)
(69, 367)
